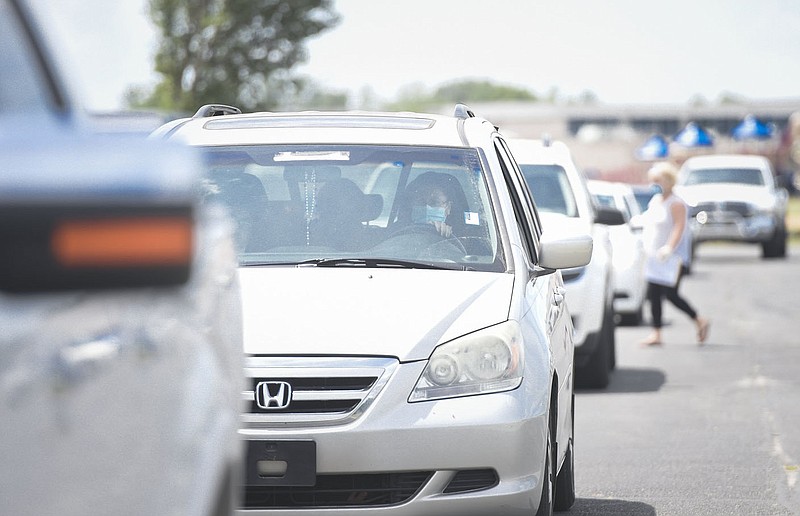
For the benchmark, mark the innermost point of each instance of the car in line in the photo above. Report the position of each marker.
(120, 350)
(628, 255)
(408, 343)
(560, 192)
(735, 198)
(643, 194)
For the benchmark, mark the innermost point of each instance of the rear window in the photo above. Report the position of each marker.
(550, 187)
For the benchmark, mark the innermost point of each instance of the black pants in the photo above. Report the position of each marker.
(656, 293)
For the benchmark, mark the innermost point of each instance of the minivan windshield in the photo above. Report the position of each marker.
(357, 206)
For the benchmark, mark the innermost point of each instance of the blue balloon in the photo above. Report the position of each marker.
(693, 136)
(656, 147)
(752, 128)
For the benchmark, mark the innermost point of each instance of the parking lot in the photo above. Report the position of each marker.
(684, 429)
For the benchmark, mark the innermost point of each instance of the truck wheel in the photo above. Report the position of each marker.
(776, 246)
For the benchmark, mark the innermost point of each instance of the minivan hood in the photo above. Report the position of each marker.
(347, 311)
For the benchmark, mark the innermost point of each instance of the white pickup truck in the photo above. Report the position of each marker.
(735, 198)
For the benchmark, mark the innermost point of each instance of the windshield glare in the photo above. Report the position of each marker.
(296, 203)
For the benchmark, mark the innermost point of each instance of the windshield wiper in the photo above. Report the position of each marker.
(375, 263)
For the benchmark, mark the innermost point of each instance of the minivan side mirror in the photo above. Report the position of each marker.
(558, 251)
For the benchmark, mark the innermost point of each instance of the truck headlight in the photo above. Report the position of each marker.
(489, 360)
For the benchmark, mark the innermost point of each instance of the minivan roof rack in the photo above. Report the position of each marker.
(216, 110)
(462, 111)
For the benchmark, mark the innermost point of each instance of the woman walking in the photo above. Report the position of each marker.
(665, 229)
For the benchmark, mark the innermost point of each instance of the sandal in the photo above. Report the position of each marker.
(650, 342)
(702, 330)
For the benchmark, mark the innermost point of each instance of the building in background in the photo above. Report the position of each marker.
(604, 137)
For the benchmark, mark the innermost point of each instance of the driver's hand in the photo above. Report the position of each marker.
(443, 229)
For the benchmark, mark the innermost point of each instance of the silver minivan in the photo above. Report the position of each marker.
(408, 342)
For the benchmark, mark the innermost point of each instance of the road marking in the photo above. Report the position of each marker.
(790, 467)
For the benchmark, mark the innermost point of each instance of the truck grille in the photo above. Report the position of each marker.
(319, 391)
(740, 208)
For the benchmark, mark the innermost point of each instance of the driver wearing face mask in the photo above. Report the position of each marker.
(431, 206)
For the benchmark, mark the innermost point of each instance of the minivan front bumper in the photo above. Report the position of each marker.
(469, 455)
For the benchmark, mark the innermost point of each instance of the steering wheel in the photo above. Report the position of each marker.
(429, 231)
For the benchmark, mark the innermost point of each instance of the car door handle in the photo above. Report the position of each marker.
(75, 362)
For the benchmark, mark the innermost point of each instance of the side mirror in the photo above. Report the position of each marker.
(89, 212)
(565, 251)
(565, 242)
(609, 216)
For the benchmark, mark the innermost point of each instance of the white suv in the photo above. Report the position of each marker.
(408, 346)
(561, 193)
(735, 198)
(630, 285)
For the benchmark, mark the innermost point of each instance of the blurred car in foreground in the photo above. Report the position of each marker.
(735, 198)
(628, 252)
(408, 346)
(120, 349)
(560, 192)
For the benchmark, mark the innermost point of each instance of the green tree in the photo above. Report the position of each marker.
(480, 91)
(305, 93)
(414, 98)
(236, 52)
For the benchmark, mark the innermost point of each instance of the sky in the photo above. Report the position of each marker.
(623, 51)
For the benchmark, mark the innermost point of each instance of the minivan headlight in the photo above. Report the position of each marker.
(489, 360)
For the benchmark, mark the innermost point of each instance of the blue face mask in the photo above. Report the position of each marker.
(656, 188)
(425, 214)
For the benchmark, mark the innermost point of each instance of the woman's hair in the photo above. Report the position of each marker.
(664, 170)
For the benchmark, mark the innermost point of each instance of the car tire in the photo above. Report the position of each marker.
(548, 484)
(610, 336)
(565, 479)
(776, 246)
(594, 374)
(632, 319)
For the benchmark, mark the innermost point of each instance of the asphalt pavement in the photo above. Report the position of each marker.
(685, 429)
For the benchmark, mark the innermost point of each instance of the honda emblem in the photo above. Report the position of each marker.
(273, 395)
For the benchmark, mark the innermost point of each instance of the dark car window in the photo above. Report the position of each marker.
(523, 205)
(643, 197)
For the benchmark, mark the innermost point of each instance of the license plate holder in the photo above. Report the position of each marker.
(281, 463)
